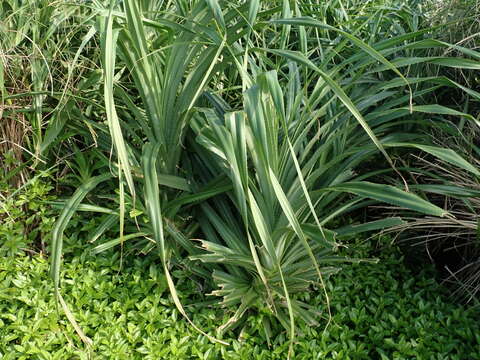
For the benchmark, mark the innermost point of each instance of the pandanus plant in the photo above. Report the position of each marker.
(290, 167)
(292, 155)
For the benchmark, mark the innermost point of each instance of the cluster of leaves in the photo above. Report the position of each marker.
(25, 214)
(380, 311)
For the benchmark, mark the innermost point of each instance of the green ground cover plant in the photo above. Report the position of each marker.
(380, 311)
(26, 217)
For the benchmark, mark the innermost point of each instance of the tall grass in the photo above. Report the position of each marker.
(451, 243)
(42, 65)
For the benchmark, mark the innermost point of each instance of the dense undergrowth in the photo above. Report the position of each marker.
(380, 311)
(154, 152)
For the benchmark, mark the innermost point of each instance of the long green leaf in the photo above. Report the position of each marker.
(109, 52)
(444, 154)
(153, 205)
(391, 195)
(69, 209)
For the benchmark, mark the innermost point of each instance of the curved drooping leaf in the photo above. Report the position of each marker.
(390, 195)
(71, 206)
